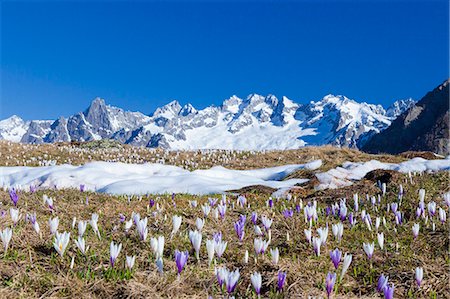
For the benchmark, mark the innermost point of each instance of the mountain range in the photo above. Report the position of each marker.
(254, 123)
(423, 127)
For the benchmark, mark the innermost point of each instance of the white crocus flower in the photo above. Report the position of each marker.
(275, 253)
(130, 261)
(176, 223)
(81, 244)
(196, 240)
(61, 242)
(53, 224)
(199, 223)
(380, 238)
(6, 236)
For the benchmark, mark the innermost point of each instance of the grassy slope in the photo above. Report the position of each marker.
(32, 268)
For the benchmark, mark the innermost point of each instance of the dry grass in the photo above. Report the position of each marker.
(31, 268)
(16, 154)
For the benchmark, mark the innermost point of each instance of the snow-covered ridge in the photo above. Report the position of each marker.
(122, 178)
(254, 123)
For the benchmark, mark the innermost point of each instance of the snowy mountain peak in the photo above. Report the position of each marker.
(256, 122)
(398, 107)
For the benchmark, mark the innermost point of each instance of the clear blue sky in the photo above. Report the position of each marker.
(56, 57)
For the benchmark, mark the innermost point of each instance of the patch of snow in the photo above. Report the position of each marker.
(354, 171)
(121, 178)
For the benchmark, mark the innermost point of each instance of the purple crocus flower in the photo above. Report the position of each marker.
(242, 218)
(394, 207)
(181, 258)
(330, 281)
(343, 212)
(2, 213)
(212, 201)
(382, 283)
(270, 203)
(398, 218)
(121, 217)
(281, 280)
(82, 187)
(297, 208)
(327, 211)
(254, 217)
(418, 212)
(239, 227)
(335, 256)
(351, 220)
(389, 292)
(217, 237)
(242, 200)
(14, 196)
(288, 213)
(33, 189)
(87, 200)
(151, 203)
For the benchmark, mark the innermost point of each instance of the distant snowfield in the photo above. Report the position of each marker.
(351, 171)
(122, 178)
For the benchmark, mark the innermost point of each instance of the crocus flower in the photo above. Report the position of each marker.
(231, 280)
(176, 223)
(316, 245)
(242, 200)
(82, 225)
(15, 216)
(281, 280)
(346, 264)
(220, 247)
(335, 256)
(239, 227)
(196, 240)
(94, 223)
(415, 230)
(338, 230)
(14, 196)
(270, 203)
(114, 251)
(210, 250)
(6, 236)
(157, 245)
(382, 283)
(343, 212)
(53, 223)
(368, 249)
(260, 245)
(193, 203)
(377, 223)
(308, 235)
(380, 238)
(82, 187)
(206, 210)
(34, 223)
(275, 253)
(222, 210)
(61, 242)
(181, 258)
(254, 217)
(258, 230)
(256, 280)
(442, 215)
(246, 257)
(288, 213)
(122, 218)
(446, 197)
(142, 229)
(329, 282)
(389, 292)
(267, 223)
(81, 244)
(130, 261)
(199, 223)
(431, 208)
(128, 225)
(421, 194)
(419, 276)
(151, 203)
(323, 235)
(49, 202)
